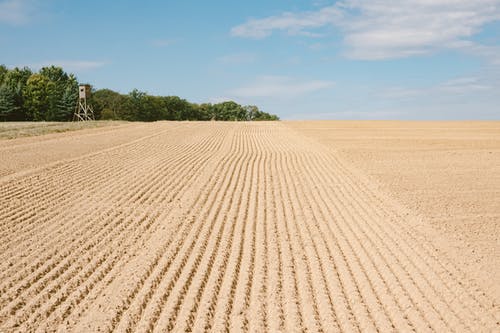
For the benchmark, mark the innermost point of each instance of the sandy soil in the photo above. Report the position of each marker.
(27, 153)
(13, 130)
(217, 226)
(447, 172)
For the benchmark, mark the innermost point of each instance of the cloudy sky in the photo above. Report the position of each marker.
(303, 59)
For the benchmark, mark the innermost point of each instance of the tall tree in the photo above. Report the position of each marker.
(58, 82)
(108, 103)
(16, 79)
(67, 104)
(8, 107)
(36, 95)
(177, 108)
(3, 72)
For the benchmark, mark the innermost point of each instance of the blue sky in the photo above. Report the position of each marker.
(314, 59)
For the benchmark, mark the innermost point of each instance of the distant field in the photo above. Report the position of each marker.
(238, 227)
(12, 130)
(447, 172)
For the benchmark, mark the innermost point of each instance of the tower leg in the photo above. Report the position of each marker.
(83, 111)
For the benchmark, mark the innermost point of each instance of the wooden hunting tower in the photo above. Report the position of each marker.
(83, 111)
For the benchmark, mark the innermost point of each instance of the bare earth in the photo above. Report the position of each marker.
(447, 172)
(12, 130)
(235, 226)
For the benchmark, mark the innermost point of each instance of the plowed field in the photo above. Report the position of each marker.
(193, 227)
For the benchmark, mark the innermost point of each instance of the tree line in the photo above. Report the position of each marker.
(51, 94)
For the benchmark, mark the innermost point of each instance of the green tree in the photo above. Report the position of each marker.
(108, 114)
(8, 107)
(140, 102)
(59, 81)
(176, 108)
(55, 74)
(36, 96)
(205, 111)
(200, 111)
(109, 100)
(16, 80)
(3, 72)
(229, 110)
(67, 104)
(251, 112)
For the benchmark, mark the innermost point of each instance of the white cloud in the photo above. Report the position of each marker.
(68, 65)
(294, 24)
(16, 12)
(453, 88)
(388, 30)
(463, 85)
(492, 53)
(280, 86)
(381, 29)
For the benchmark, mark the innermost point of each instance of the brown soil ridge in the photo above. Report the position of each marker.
(220, 226)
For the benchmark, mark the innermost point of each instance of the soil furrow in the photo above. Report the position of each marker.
(216, 226)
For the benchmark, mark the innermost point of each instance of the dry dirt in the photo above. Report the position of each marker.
(447, 172)
(250, 227)
(15, 129)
